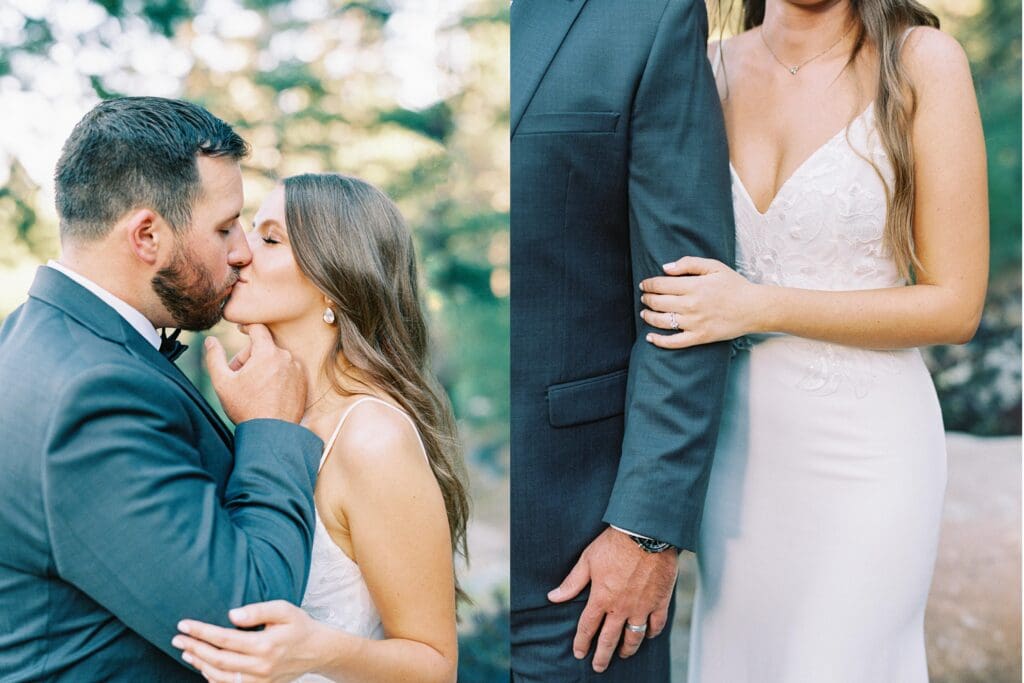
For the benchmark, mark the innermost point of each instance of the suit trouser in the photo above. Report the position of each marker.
(542, 650)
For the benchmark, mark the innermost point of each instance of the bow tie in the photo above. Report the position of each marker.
(170, 347)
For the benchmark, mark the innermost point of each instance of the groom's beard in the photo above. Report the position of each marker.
(189, 293)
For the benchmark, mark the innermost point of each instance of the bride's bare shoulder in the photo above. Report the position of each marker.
(376, 439)
(932, 56)
(728, 47)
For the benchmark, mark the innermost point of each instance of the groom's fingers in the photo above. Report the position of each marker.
(590, 622)
(216, 359)
(240, 358)
(575, 582)
(611, 633)
(261, 338)
(657, 621)
(631, 640)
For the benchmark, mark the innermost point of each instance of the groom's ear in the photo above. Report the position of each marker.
(147, 235)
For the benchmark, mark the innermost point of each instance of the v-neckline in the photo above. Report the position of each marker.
(796, 171)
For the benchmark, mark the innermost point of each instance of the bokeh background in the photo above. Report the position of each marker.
(973, 619)
(411, 95)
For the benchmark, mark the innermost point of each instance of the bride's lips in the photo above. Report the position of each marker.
(231, 289)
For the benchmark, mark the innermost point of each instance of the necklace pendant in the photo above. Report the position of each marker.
(793, 70)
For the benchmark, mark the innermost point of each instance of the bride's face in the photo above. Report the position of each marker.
(271, 289)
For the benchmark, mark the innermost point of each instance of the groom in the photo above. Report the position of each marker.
(125, 503)
(619, 164)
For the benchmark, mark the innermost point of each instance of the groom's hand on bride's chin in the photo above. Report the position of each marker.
(262, 381)
(627, 585)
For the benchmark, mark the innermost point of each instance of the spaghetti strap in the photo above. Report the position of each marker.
(344, 416)
(718, 57)
(906, 34)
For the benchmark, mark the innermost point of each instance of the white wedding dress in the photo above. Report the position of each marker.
(821, 523)
(336, 592)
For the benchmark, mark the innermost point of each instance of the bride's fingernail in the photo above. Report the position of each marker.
(183, 626)
(187, 657)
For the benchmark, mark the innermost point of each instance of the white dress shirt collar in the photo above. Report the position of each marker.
(129, 313)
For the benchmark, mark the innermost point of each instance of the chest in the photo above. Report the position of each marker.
(777, 121)
(771, 138)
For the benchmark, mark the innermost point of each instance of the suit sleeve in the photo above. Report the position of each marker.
(680, 205)
(136, 522)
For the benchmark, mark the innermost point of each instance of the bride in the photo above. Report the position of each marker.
(333, 279)
(854, 247)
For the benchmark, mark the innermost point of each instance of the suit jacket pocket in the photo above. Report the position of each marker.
(568, 122)
(587, 400)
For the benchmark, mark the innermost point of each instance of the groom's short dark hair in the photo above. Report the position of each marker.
(136, 152)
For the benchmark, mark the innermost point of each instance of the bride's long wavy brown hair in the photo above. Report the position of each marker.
(351, 241)
(880, 23)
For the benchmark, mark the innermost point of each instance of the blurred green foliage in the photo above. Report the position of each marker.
(992, 39)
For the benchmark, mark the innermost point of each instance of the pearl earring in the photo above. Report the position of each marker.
(329, 316)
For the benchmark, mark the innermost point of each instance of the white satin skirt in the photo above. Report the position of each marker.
(821, 524)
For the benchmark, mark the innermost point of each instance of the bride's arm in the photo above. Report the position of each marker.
(396, 516)
(393, 508)
(950, 231)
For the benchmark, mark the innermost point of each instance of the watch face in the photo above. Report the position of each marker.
(651, 545)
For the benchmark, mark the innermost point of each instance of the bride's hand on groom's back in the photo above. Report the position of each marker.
(281, 651)
(262, 381)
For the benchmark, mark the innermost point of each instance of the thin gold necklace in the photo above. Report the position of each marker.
(794, 69)
(322, 396)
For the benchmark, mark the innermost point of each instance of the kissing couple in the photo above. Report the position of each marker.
(144, 540)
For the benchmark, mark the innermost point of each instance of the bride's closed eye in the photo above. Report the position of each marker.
(269, 240)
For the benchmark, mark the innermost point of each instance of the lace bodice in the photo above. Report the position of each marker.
(336, 592)
(824, 230)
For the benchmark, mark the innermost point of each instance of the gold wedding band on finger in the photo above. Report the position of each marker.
(674, 324)
(642, 628)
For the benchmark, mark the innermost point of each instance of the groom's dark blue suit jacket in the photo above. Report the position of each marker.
(125, 503)
(619, 164)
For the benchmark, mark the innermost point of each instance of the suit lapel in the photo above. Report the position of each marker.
(145, 351)
(538, 29)
(77, 302)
